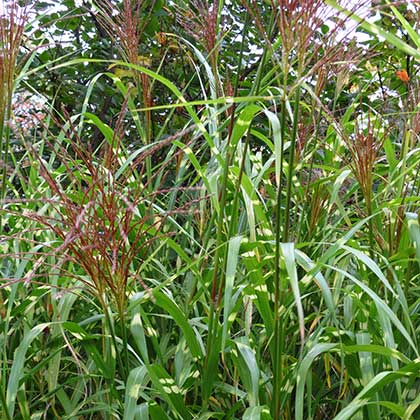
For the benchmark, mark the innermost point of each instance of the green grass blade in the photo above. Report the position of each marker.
(135, 382)
(231, 270)
(376, 384)
(243, 122)
(309, 265)
(376, 30)
(288, 250)
(414, 231)
(261, 412)
(371, 265)
(412, 33)
(248, 370)
(168, 390)
(170, 306)
(381, 305)
(411, 409)
(17, 369)
(303, 372)
(374, 348)
(142, 412)
(137, 330)
(156, 412)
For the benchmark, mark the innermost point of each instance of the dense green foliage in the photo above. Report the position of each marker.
(209, 210)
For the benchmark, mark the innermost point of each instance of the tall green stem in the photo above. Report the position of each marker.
(4, 403)
(277, 341)
(290, 172)
(108, 320)
(4, 151)
(284, 236)
(218, 278)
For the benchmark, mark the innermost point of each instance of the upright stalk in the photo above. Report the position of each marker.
(284, 236)
(126, 368)
(286, 233)
(4, 403)
(4, 151)
(370, 221)
(218, 278)
(277, 338)
(12, 22)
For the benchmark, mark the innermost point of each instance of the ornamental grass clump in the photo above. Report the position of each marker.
(365, 145)
(108, 221)
(303, 39)
(269, 302)
(105, 221)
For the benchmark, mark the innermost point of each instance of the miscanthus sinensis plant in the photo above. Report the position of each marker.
(260, 263)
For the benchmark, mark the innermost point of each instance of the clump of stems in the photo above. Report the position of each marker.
(201, 20)
(364, 146)
(125, 24)
(12, 28)
(105, 218)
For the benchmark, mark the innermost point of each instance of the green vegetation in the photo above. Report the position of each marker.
(209, 210)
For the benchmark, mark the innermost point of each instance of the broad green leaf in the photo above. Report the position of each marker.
(382, 306)
(288, 251)
(137, 330)
(376, 30)
(243, 122)
(412, 33)
(172, 308)
(257, 413)
(137, 379)
(302, 374)
(414, 230)
(364, 396)
(168, 390)
(248, 370)
(231, 270)
(17, 369)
